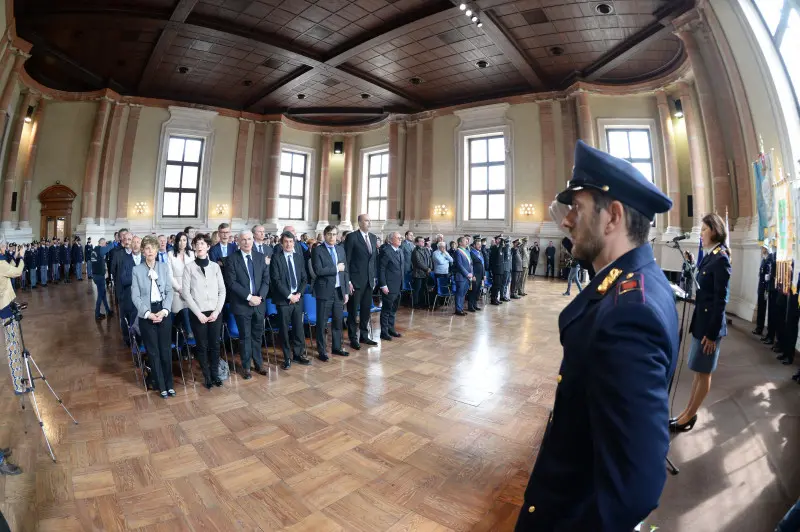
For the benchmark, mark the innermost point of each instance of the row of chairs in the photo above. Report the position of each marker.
(445, 289)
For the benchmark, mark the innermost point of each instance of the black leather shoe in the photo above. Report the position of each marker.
(787, 362)
(355, 345)
(110, 313)
(323, 358)
(395, 334)
(386, 337)
(515, 297)
(207, 384)
(460, 313)
(101, 317)
(495, 303)
(340, 352)
(766, 341)
(217, 382)
(776, 349)
(505, 299)
(260, 370)
(286, 364)
(478, 309)
(470, 310)
(757, 331)
(247, 375)
(302, 360)
(368, 341)
(686, 427)
(780, 357)
(796, 377)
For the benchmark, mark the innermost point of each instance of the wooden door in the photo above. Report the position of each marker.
(56, 214)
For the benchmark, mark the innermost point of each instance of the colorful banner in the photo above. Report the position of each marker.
(764, 194)
(783, 221)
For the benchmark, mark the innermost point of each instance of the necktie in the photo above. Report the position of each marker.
(224, 250)
(332, 252)
(252, 275)
(369, 248)
(292, 277)
(259, 249)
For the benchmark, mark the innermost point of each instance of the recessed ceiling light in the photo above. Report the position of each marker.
(483, 63)
(468, 13)
(365, 96)
(462, 7)
(183, 69)
(556, 50)
(604, 9)
(474, 19)
(415, 81)
(480, 24)
(247, 83)
(301, 96)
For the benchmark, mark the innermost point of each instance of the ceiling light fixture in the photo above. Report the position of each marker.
(301, 96)
(556, 50)
(247, 83)
(604, 9)
(29, 114)
(468, 13)
(480, 24)
(415, 81)
(678, 109)
(462, 7)
(474, 19)
(483, 63)
(365, 96)
(183, 69)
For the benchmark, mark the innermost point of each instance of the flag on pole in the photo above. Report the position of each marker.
(700, 252)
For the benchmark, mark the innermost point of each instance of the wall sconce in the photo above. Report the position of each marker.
(527, 209)
(678, 109)
(29, 114)
(338, 147)
(140, 207)
(440, 210)
(221, 209)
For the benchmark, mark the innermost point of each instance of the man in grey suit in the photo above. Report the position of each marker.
(261, 245)
(390, 281)
(331, 290)
(288, 282)
(362, 251)
(247, 282)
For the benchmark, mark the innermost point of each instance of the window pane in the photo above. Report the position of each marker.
(771, 11)
(175, 151)
(188, 200)
(497, 206)
(646, 169)
(193, 148)
(298, 164)
(478, 151)
(497, 177)
(297, 186)
(374, 188)
(385, 163)
(618, 144)
(497, 149)
(296, 209)
(374, 164)
(790, 50)
(382, 213)
(173, 179)
(478, 178)
(170, 204)
(640, 144)
(286, 162)
(284, 185)
(189, 177)
(477, 207)
(384, 187)
(373, 208)
(283, 208)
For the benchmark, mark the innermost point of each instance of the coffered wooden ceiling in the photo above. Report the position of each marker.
(340, 57)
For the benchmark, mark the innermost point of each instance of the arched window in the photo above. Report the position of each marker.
(782, 19)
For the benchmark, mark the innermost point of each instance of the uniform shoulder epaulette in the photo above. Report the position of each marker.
(631, 288)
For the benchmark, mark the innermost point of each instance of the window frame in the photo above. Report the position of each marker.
(308, 206)
(380, 177)
(291, 175)
(470, 166)
(181, 190)
(363, 183)
(776, 39)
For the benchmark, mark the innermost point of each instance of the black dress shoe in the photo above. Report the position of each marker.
(757, 331)
(766, 341)
(796, 377)
(460, 313)
(207, 384)
(247, 376)
(101, 317)
(395, 334)
(355, 345)
(386, 337)
(686, 427)
(515, 297)
(286, 364)
(776, 349)
(780, 357)
(217, 382)
(495, 302)
(340, 352)
(302, 360)
(323, 358)
(505, 299)
(470, 310)
(787, 362)
(110, 313)
(478, 309)
(368, 341)
(260, 370)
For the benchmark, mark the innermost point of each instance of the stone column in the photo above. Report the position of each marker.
(10, 88)
(696, 154)
(707, 96)
(549, 186)
(394, 172)
(257, 173)
(13, 155)
(670, 163)
(410, 195)
(237, 202)
(585, 127)
(324, 184)
(425, 181)
(25, 199)
(273, 176)
(89, 195)
(107, 164)
(345, 223)
(568, 124)
(126, 163)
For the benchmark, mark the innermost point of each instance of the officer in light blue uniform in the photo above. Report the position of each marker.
(602, 463)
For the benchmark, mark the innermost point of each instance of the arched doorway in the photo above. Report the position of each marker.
(56, 211)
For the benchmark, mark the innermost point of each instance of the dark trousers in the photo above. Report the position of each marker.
(462, 286)
(772, 314)
(251, 330)
(474, 293)
(551, 268)
(498, 282)
(207, 336)
(516, 283)
(333, 308)
(388, 312)
(156, 338)
(361, 297)
(292, 341)
(790, 329)
(780, 318)
(420, 294)
(761, 309)
(532, 268)
(126, 311)
(100, 283)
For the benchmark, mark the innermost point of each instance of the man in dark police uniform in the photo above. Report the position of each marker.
(602, 463)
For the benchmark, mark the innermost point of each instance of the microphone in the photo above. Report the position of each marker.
(684, 236)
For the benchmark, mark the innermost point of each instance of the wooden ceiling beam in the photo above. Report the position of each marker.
(501, 37)
(179, 15)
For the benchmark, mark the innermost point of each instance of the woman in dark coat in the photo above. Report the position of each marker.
(708, 319)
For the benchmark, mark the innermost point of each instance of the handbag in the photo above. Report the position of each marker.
(224, 372)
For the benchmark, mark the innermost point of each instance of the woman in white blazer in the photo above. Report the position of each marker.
(181, 256)
(204, 292)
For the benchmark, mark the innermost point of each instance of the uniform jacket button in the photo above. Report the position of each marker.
(531, 509)
(558, 379)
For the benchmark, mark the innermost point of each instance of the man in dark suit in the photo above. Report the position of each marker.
(361, 248)
(225, 248)
(246, 281)
(534, 258)
(479, 273)
(763, 285)
(331, 290)
(550, 253)
(288, 282)
(462, 266)
(390, 281)
(261, 245)
(124, 261)
(77, 257)
(497, 264)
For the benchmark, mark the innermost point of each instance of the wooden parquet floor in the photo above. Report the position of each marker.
(435, 431)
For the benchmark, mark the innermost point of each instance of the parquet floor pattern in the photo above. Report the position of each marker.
(435, 431)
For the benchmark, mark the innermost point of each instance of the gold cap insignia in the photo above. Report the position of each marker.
(609, 280)
(630, 275)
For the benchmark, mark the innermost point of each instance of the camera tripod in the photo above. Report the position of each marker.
(13, 327)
